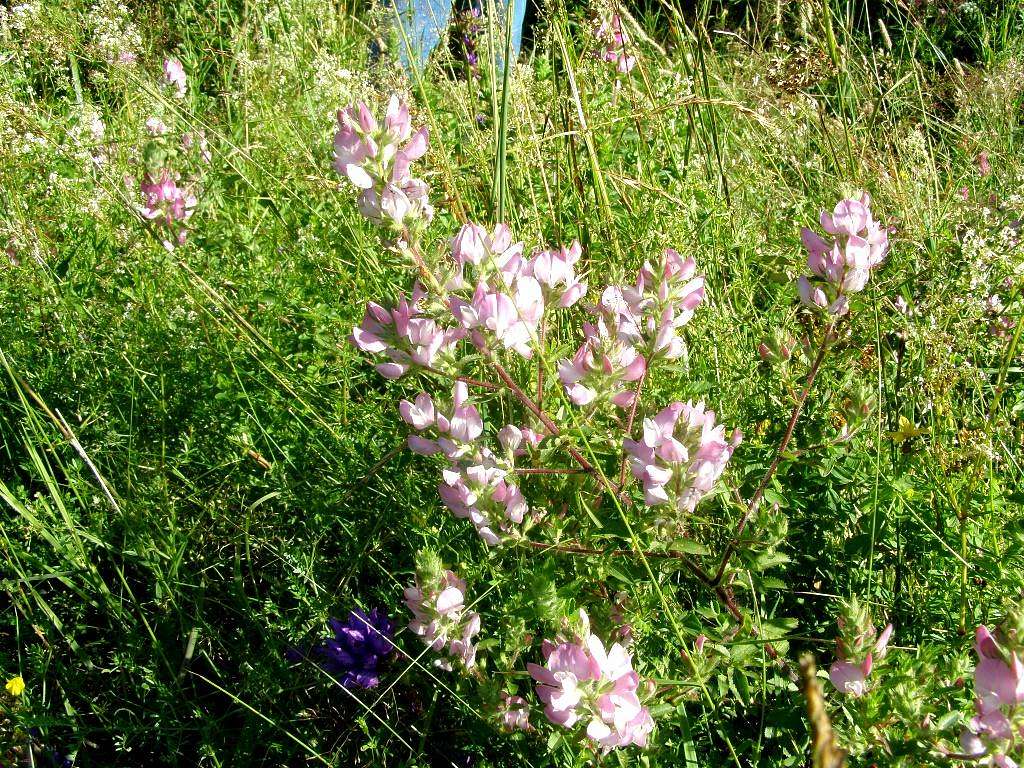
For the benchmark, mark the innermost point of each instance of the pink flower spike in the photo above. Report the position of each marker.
(174, 75)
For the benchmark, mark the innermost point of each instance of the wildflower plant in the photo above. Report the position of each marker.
(167, 199)
(357, 650)
(476, 314)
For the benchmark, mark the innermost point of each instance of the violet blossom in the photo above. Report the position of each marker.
(441, 621)
(359, 647)
(842, 264)
(582, 683)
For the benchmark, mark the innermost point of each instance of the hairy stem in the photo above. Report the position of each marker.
(581, 551)
(755, 500)
(628, 431)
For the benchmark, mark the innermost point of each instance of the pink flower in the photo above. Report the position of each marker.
(602, 367)
(167, 205)
(494, 254)
(440, 619)
(848, 675)
(155, 126)
(984, 166)
(510, 318)
(842, 265)
(481, 493)
(582, 683)
(998, 680)
(681, 456)
(174, 75)
(403, 335)
(376, 158)
(555, 271)
(514, 713)
(615, 41)
(476, 484)
(996, 727)
(664, 299)
(512, 437)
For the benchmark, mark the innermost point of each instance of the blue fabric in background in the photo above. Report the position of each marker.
(425, 22)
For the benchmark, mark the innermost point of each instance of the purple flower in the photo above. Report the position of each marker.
(358, 649)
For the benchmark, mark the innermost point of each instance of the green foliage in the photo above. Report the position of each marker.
(196, 469)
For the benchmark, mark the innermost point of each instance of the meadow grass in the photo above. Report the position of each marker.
(197, 469)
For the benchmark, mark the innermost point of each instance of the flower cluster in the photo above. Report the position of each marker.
(174, 76)
(476, 484)
(404, 335)
(615, 41)
(663, 300)
(603, 366)
(467, 30)
(858, 649)
(358, 649)
(376, 158)
(555, 271)
(682, 454)
(634, 325)
(842, 264)
(167, 204)
(514, 713)
(508, 302)
(997, 730)
(440, 618)
(582, 682)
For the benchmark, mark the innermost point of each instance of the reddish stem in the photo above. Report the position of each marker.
(549, 425)
(467, 379)
(629, 425)
(551, 471)
(755, 500)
